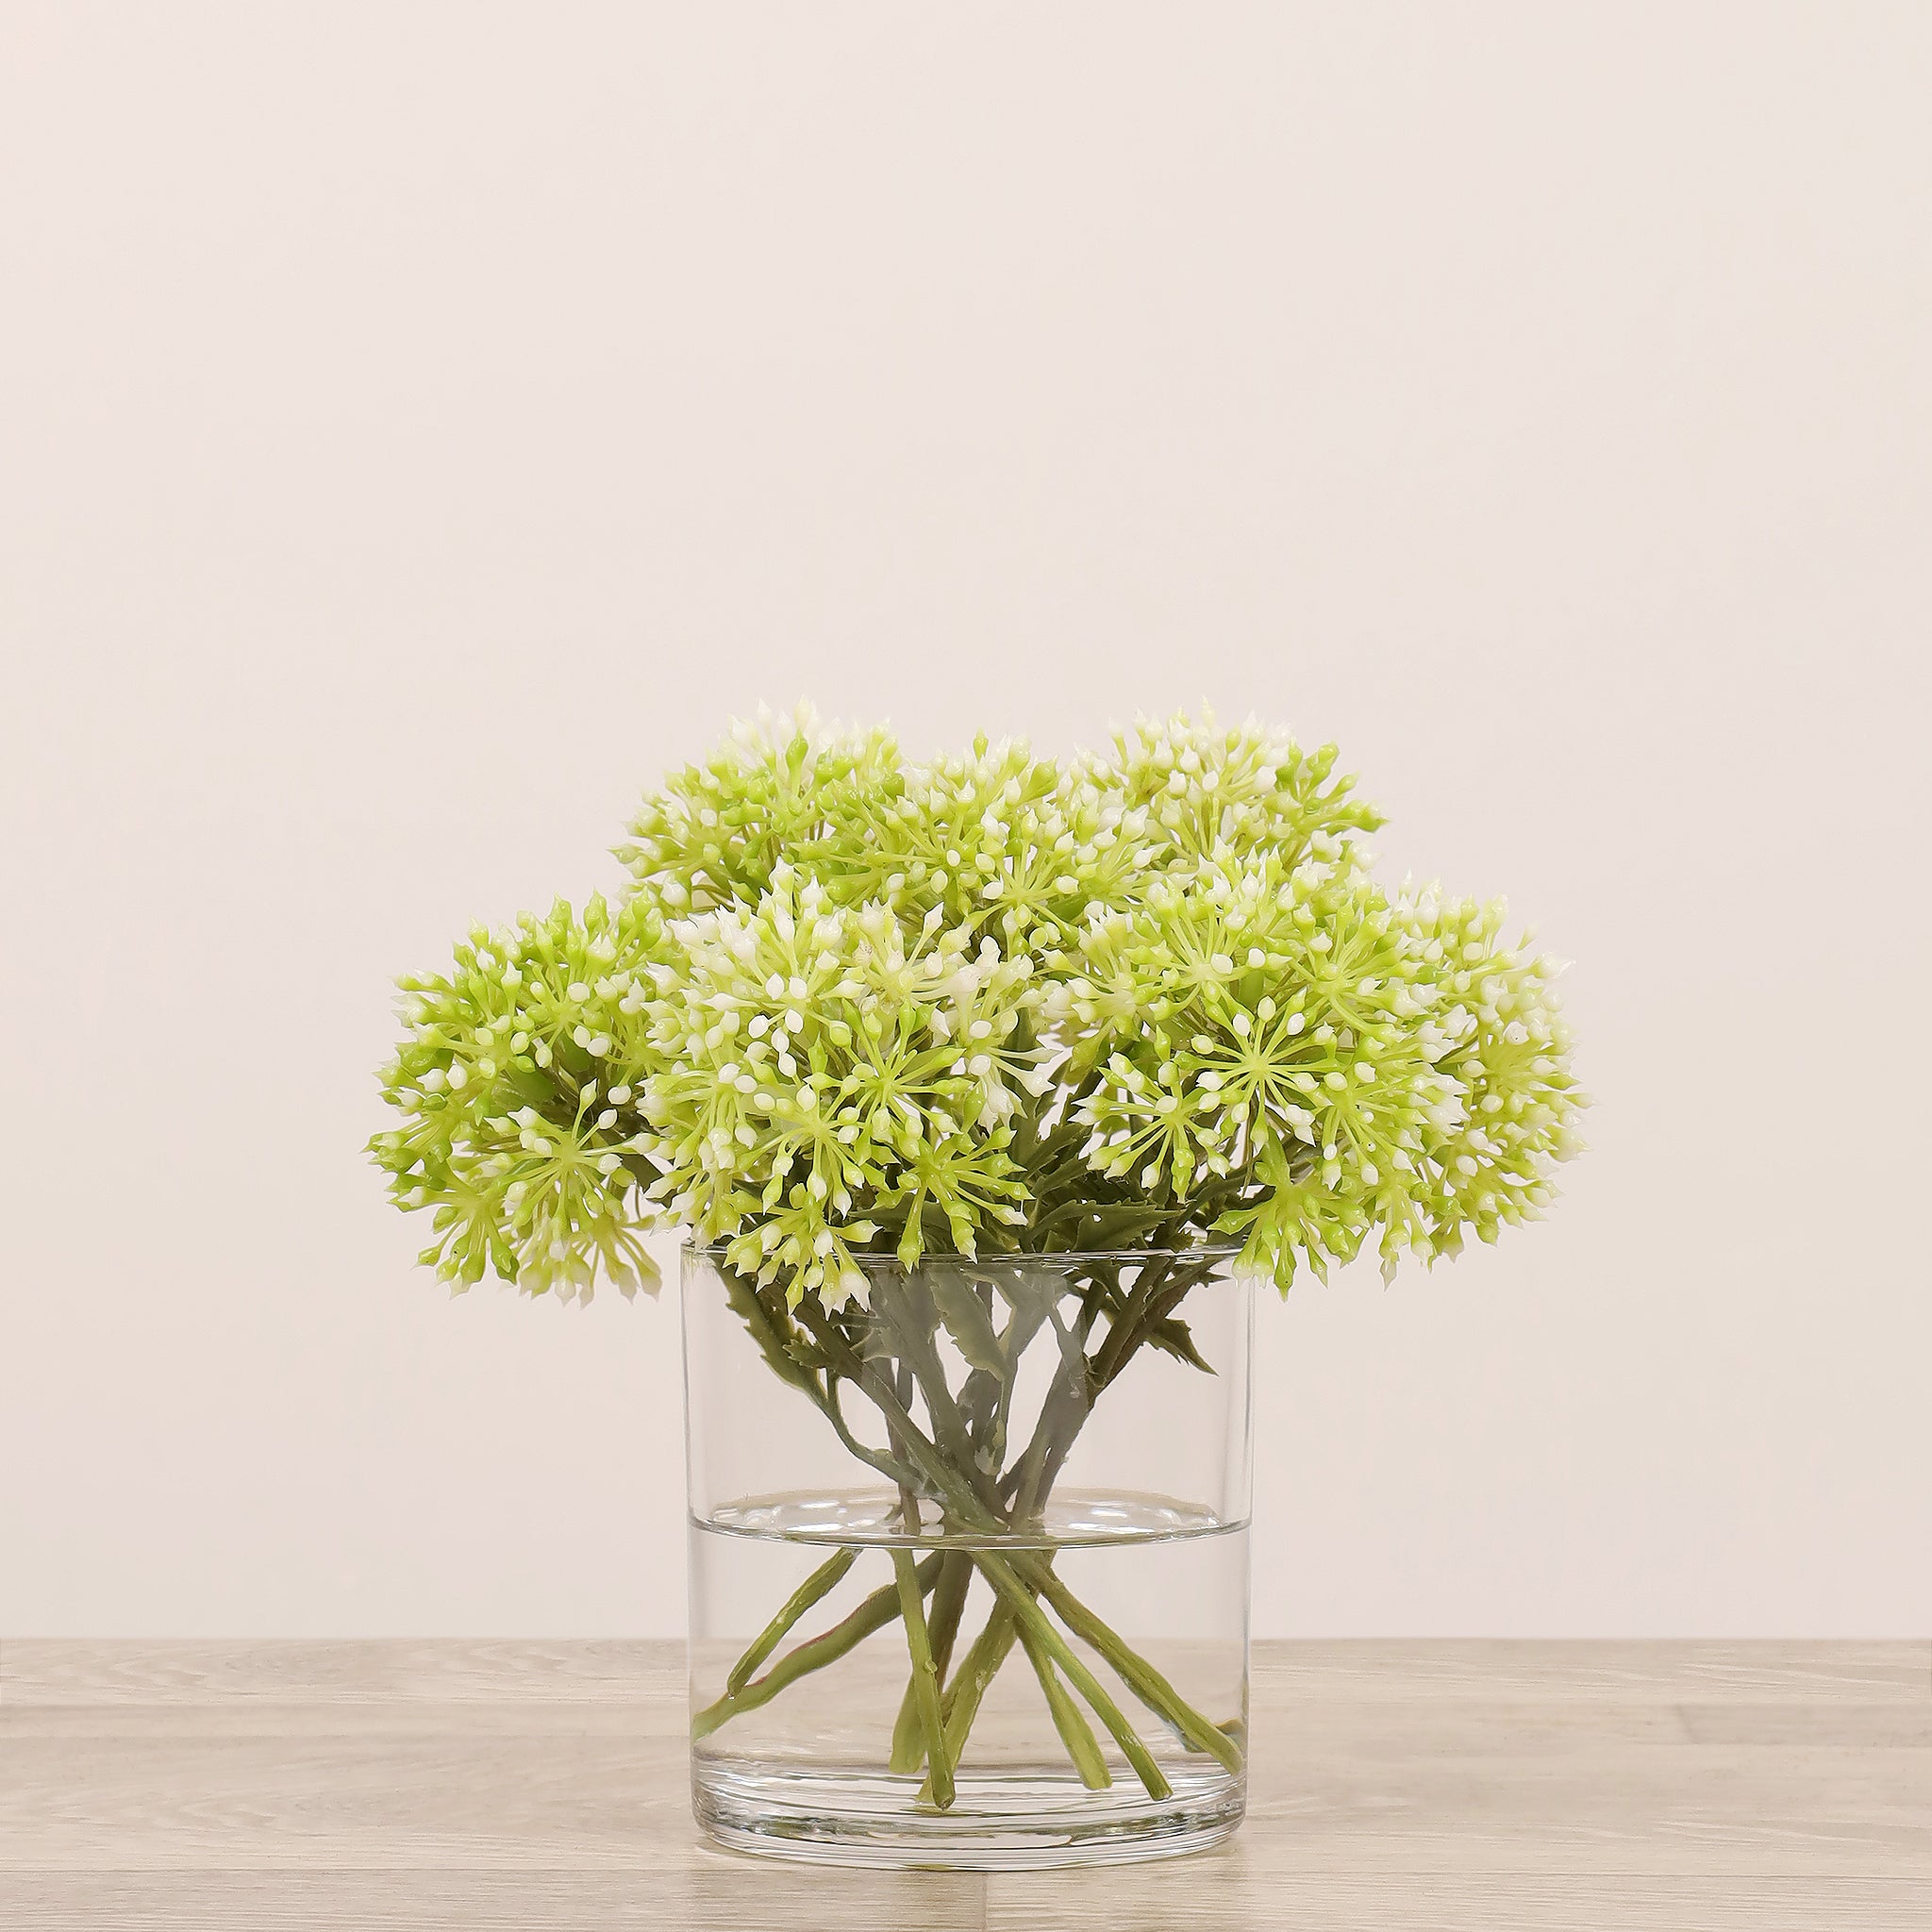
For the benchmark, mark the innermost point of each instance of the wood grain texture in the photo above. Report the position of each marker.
(1235, 1896)
(1185, 1895)
(1421, 1785)
(201, 1670)
(700, 1889)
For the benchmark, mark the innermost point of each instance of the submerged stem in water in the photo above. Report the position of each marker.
(821, 1583)
(924, 1679)
(948, 1602)
(874, 1614)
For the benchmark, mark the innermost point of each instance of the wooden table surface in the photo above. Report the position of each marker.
(540, 1787)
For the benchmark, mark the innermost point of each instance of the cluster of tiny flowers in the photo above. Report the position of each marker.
(996, 840)
(1202, 789)
(1507, 1048)
(778, 791)
(1001, 842)
(855, 1004)
(515, 1080)
(821, 1067)
(1263, 1039)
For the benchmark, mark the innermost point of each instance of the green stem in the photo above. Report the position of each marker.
(1137, 1674)
(1076, 1734)
(821, 1583)
(980, 1666)
(1069, 1397)
(1002, 1575)
(948, 1602)
(955, 1489)
(874, 1614)
(924, 1678)
(950, 1428)
(956, 1481)
(1106, 1367)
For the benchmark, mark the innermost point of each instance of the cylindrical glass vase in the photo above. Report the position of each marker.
(969, 1559)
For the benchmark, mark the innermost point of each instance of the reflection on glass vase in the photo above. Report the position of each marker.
(969, 1559)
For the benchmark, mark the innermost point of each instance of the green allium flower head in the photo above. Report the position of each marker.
(1204, 790)
(856, 1004)
(820, 1069)
(516, 1081)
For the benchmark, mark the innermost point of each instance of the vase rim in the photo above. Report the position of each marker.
(1198, 1251)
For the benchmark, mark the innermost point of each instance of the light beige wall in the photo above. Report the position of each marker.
(423, 424)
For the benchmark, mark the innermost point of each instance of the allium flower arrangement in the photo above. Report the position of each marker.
(854, 1012)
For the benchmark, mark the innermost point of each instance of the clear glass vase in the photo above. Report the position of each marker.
(1000, 1507)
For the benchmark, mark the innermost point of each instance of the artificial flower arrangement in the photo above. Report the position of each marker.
(853, 1014)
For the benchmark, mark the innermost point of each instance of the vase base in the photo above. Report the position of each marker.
(1012, 1823)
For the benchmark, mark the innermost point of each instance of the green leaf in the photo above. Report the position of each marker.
(745, 1305)
(967, 1322)
(1174, 1337)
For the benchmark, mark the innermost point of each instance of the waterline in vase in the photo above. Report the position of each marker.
(874, 1518)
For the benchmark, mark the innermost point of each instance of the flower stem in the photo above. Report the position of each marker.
(821, 1583)
(1140, 1677)
(874, 1614)
(958, 1491)
(1076, 1734)
(947, 1468)
(978, 1669)
(924, 1678)
(948, 1602)
(1000, 1574)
